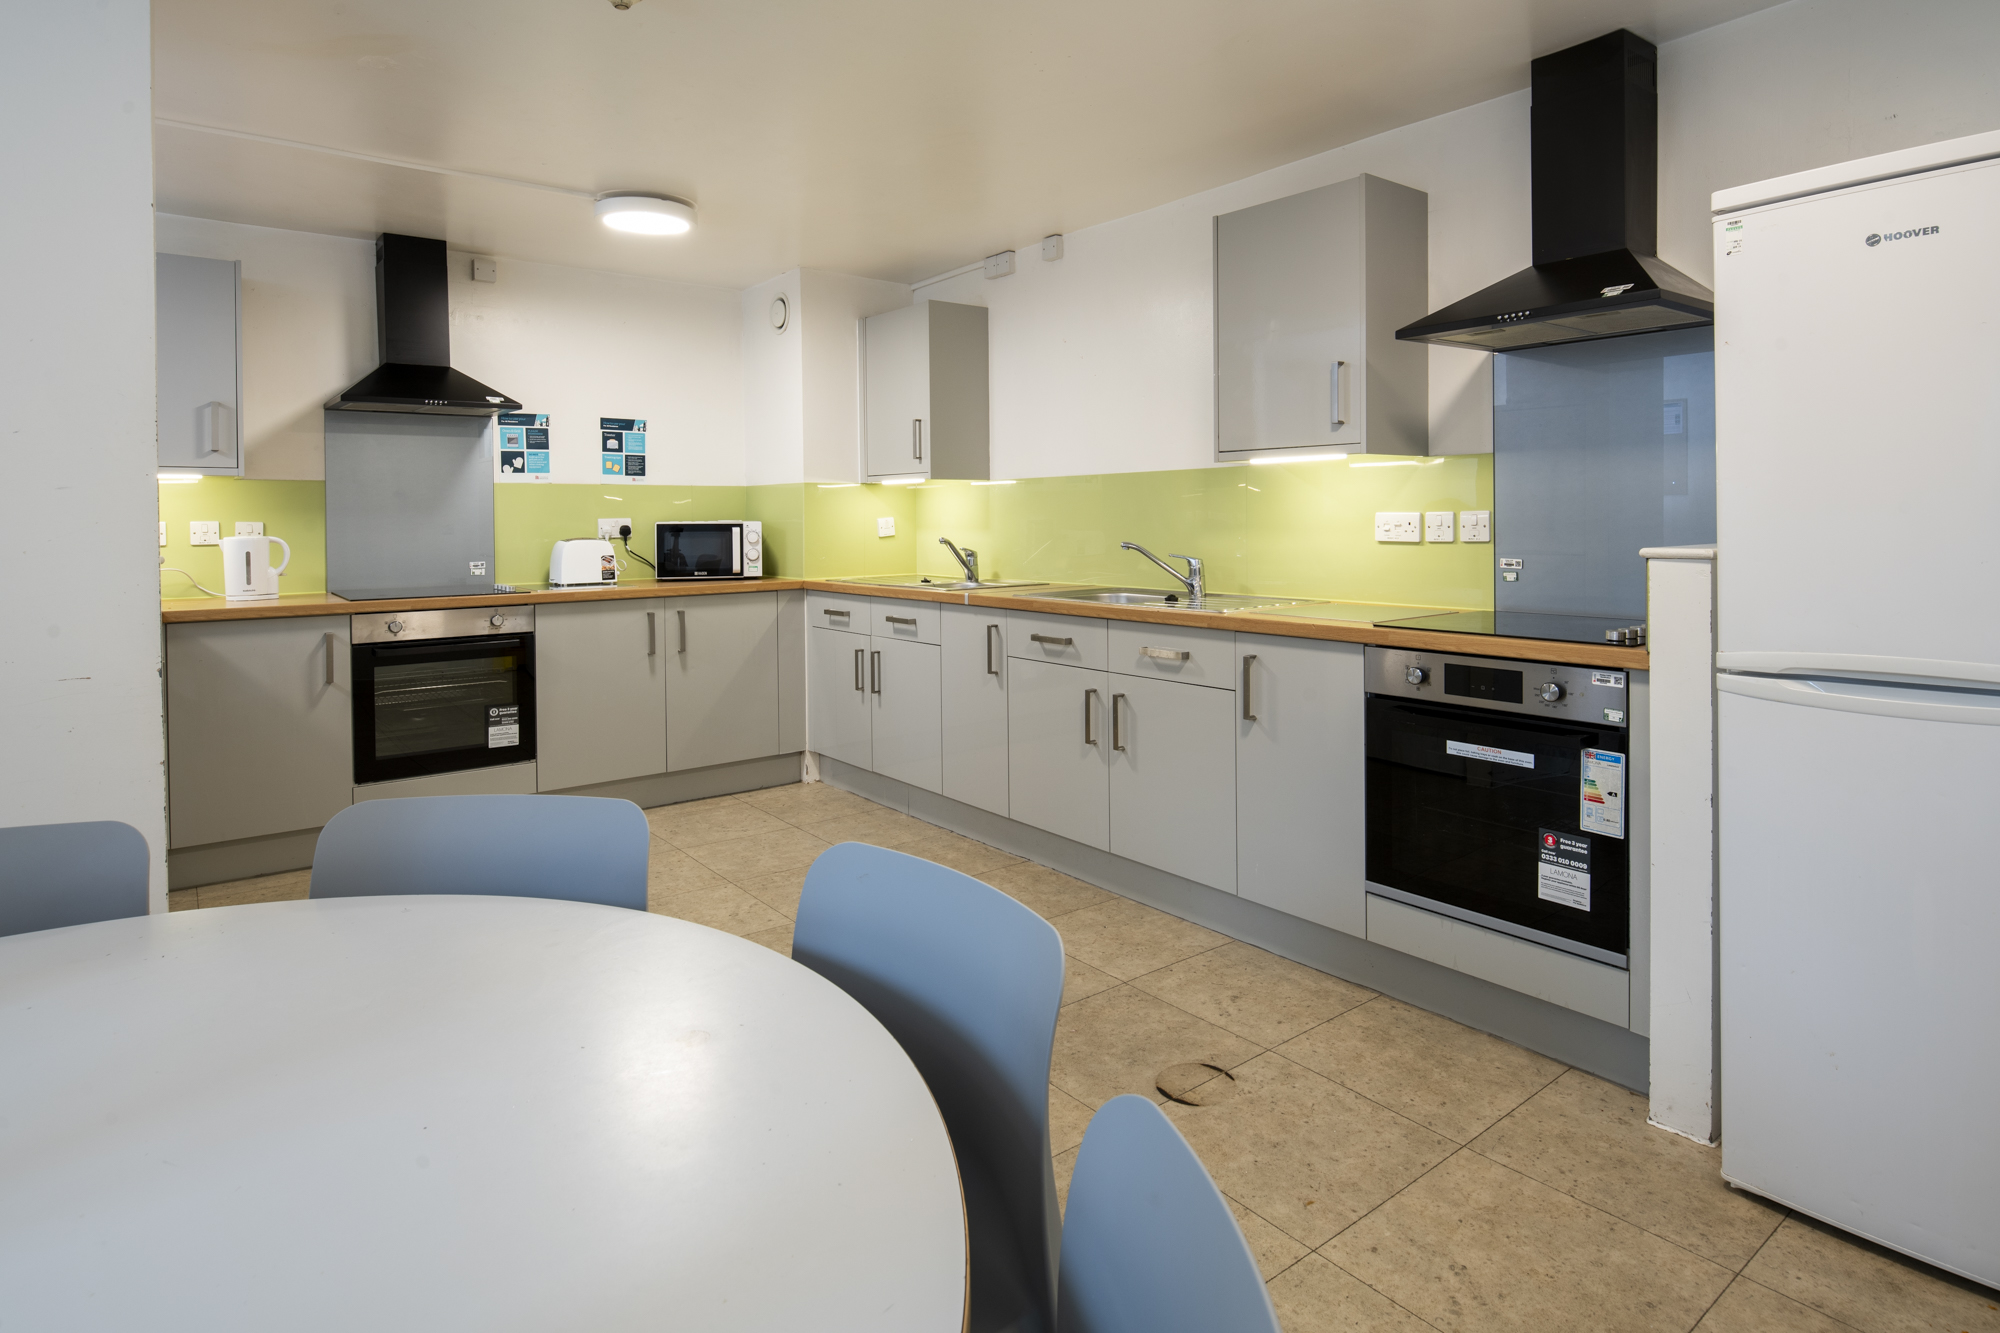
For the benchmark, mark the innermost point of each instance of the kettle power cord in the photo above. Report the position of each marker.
(166, 568)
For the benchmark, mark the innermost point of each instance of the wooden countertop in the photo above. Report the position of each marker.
(186, 609)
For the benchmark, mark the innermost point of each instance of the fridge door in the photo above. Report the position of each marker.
(1859, 911)
(1857, 364)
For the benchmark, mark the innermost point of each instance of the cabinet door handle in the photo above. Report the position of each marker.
(859, 653)
(911, 621)
(1164, 654)
(1051, 640)
(1089, 736)
(1337, 395)
(1249, 714)
(992, 633)
(212, 428)
(652, 634)
(684, 630)
(329, 659)
(917, 438)
(1116, 743)
(875, 672)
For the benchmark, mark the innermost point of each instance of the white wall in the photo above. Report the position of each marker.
(81, 735)
(773, 384)
(574, 343)
(1101, 360)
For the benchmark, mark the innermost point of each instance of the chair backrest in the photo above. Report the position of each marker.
(1148, 1241)
(587, 849)
(969, 981)
(68, 874)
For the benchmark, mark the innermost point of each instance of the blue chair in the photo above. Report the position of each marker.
(1148, 1244)
(585, 849)
(969, 981)
(68, 874)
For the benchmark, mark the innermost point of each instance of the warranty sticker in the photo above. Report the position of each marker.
(503, 726)
(1563, 872)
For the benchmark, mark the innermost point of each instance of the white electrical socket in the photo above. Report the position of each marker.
(208, 533)
(249, 529)
(163, 532)
(1475, 525)
(607, 528)
(1437, 525)
(1399, 527)
(885, 527)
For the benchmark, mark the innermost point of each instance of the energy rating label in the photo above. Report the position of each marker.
(622, 444)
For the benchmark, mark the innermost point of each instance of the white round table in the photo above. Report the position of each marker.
(457, 1113)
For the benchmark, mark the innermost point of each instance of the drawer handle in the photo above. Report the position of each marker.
(1053, 641)
(1249, 715)
(1164, 654)
(1116, 743)
(911, 621)
(829, 611)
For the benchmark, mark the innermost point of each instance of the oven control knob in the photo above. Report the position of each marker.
(1550, 692)
(394, 627)
(497, 620)
(1416, 675)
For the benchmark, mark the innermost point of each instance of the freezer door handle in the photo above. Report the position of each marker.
(1930, 670)
(1866, 696)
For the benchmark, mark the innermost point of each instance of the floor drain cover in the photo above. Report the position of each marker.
(1196, 1084)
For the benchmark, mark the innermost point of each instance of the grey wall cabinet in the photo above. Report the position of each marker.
(1300, 756)
(198, 335)
(838, 711)
(903, 685)
(924, 405)
(722, 678)
(1309, 293)
(600, 691)
(260, 728)
(1058, 748)
(1173, 778)
(974, 706)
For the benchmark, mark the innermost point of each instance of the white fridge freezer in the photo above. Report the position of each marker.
(1858, 696)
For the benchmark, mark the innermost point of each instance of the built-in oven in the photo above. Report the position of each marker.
(1496, 794)
(442, 691)
(721, 549)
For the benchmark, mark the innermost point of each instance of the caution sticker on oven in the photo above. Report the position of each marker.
(503, 726)
(1603, 794)
(1563, 873)
(1492, 754)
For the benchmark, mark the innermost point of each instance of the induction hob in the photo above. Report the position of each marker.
(1619, 630)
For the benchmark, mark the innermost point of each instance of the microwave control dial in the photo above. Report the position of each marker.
(394, 627)
(1550, 692)
(1416, 675)
(497, 620)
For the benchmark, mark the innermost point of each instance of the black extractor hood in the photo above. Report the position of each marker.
(413, 328)
(1594, 144)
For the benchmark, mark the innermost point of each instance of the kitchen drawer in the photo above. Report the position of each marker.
(1174, 652)
(1071, 640)
(837, 610)
(907, 621)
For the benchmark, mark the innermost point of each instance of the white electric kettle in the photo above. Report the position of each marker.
(247, 575)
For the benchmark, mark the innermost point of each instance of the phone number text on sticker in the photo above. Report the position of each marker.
(1492, 754)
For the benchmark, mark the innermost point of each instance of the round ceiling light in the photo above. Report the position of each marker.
(646, 214)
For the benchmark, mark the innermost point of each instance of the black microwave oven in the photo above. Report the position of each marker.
(719, 549)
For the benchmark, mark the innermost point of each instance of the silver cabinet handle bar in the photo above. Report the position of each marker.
(1051, 640)
(1089, 736)
(1164, 654)
(1248, 714)
(1116, 743)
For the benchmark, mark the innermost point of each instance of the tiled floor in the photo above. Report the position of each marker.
(1392, 1169)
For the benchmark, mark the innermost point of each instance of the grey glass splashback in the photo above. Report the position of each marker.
(409, 505)
(1599, 449)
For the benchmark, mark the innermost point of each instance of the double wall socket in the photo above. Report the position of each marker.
(205, 532)
(607, 528)
(1398, 527)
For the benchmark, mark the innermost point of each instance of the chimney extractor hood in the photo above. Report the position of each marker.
(413, 332)
(1593, 143)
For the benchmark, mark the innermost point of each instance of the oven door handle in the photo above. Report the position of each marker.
(495, 644)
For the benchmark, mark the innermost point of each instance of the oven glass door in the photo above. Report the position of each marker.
(699, 550)
(443, 706)
(1500, 837)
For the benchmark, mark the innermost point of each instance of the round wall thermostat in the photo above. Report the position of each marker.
(781, 314)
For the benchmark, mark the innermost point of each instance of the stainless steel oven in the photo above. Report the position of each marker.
(442, 691)
(1496, 794)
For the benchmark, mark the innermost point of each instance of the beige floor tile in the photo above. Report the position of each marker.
(289, 886)
(726, 908)
(1474, 1245)
(671, 872)
(1129, 939)
(180, 900)
(965, 855)
(1314, 1296)
(1081, 980)
(1439, 1073)
(1272, 1248)
(1750, 1308)
(1868, 1288)
(1590, 1138)
(1254, 994)
(808, 802)
(877, 827)
(719, 819)
(779, 891)
(778, 938)
(1116, 1041)
(1068, 1118)
(1065, 1167)
(1304, 1153)
(1047, 892)
(768, 853)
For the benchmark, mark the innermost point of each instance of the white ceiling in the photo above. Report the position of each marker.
(890, 138)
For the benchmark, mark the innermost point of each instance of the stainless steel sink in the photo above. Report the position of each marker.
(936, 583)
(1161, 600)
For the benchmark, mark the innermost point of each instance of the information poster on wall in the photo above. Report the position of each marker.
(622, 445)
(524, 445)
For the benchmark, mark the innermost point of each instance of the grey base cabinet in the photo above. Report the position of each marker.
(1300, 769)
(1058, 745)
(722, 678)
(837, 708)
(904, 716)
(600, 692)
(1173, 778)
(974, 707)
(260, 728)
